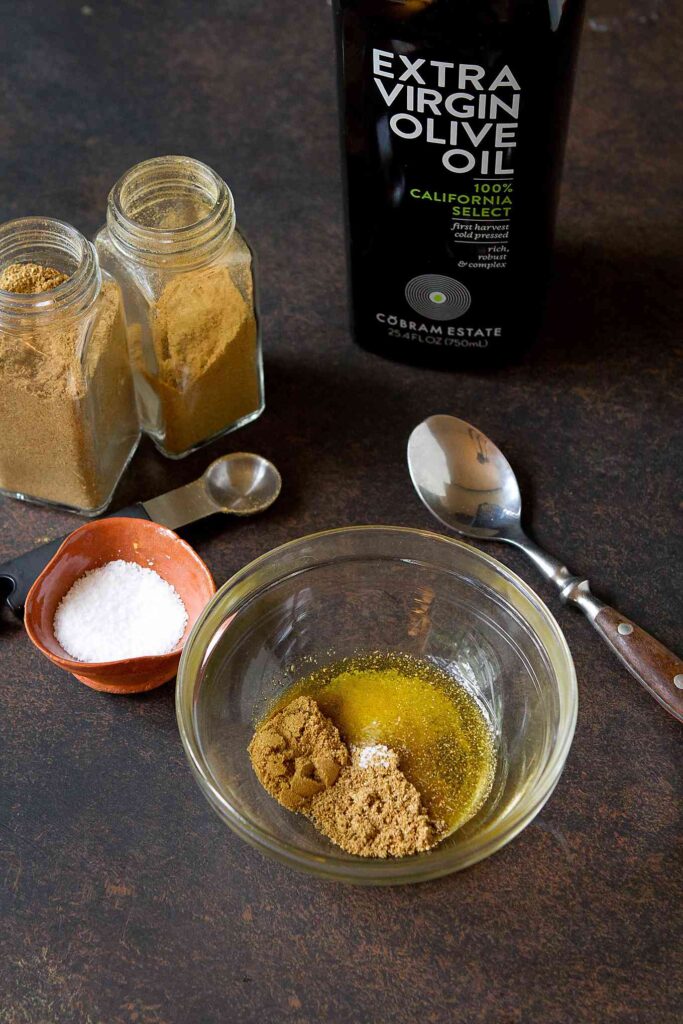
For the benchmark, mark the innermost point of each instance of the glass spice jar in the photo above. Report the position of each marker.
(187, 280)
(68, 418)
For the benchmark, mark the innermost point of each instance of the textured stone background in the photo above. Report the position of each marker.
(123, 899)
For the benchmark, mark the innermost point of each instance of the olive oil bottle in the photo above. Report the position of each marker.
(454, 116)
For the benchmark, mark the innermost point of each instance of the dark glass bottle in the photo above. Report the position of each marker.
(454, 117)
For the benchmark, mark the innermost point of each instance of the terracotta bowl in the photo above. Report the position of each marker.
(93, 545)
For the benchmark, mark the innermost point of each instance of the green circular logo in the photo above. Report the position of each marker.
(437, 297)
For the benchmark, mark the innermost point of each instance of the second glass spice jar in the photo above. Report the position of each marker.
(187, 280)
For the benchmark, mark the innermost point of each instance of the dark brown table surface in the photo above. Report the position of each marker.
(124, 900)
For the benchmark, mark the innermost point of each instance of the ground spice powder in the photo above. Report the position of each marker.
(364, 805)
(297, 754)
(374, 812)
(68, 411)
(30, 278)
(206, 373)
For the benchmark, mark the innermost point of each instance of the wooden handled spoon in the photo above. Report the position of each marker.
(468, 484)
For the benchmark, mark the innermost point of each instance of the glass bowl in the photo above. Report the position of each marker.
(363, 589)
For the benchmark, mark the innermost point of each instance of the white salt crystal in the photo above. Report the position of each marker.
(374, 754)
(119, 611)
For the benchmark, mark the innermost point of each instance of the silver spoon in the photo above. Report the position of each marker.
(469, 485)
(241, 483)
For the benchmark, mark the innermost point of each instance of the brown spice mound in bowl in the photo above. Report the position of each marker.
(368, 808)
(30, 278)
(374, 812)
(297, 753)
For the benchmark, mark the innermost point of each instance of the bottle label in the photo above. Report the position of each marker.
(468, 116)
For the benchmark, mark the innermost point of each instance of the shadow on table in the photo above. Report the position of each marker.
(608, 304)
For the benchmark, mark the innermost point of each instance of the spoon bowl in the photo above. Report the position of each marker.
(464, 479)
(242, 483)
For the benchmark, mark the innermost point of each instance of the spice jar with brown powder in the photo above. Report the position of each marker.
(68, 421)
(186, 275)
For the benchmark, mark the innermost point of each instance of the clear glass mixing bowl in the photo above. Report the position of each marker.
(376, 588)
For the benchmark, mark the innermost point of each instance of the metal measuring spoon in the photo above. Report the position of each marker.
(468, 484)
(240, 483)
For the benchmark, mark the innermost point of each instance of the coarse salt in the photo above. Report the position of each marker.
(374, 754)
(120, 610)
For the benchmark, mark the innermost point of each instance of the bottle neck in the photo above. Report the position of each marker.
(49, 243)
(170, 212)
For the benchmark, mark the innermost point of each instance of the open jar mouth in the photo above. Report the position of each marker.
(49, 243)
(170, 208)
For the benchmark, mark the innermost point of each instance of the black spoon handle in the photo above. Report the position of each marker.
(19, 574)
